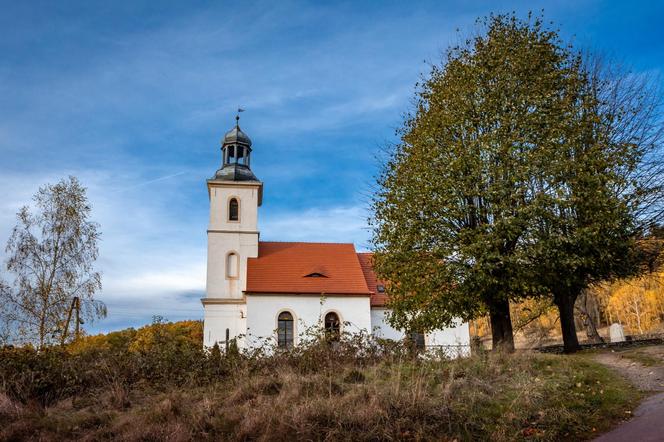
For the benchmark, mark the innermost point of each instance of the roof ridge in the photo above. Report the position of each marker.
(308, 242)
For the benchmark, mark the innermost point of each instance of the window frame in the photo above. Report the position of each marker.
(330, 334)
(286, 345)
(228, 208)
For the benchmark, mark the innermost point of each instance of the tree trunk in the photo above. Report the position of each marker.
(589, 322)
(638, 315)
(593, 334)
(42, 329)
(565, 304)
(501, 326)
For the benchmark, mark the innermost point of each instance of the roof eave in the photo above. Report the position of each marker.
(290, 292)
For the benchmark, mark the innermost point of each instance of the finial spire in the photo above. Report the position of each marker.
(237, 116)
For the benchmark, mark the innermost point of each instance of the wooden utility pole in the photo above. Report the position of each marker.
(75, 304)
(78, 317)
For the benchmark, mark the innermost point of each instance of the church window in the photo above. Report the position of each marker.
(233, 210)
(285, 330)
(232, 265)
(332, 327)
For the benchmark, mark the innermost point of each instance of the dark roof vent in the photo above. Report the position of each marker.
(380, 288)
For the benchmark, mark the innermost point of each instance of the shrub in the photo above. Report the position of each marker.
(161, 386)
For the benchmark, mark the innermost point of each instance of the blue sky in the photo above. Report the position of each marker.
(133, 98)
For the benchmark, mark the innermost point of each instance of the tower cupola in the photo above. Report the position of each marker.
(236, 136)
(236, 156)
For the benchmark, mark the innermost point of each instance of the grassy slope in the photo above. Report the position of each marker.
(523, 396)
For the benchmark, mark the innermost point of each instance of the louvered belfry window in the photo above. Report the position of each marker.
(233, 210)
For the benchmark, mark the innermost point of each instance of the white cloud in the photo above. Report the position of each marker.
(153, 258)
(334, 224)
(156, 281)
(149, 257)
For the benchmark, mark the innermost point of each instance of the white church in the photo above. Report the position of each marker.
(263, 290)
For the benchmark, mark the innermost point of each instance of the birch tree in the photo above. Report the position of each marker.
(51, 256)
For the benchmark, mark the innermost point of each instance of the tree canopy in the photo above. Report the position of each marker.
(514, 172)
(603, 189)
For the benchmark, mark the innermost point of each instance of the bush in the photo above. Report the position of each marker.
(158, 382)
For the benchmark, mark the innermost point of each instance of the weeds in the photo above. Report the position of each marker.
(359, 389)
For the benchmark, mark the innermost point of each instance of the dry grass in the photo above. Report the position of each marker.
(498, 397)
(647, 356)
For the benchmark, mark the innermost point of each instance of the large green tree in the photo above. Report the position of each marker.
(603, 189)
(51, 255)
(524, 171)
(458, 196)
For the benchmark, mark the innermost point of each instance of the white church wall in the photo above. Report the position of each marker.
(218, 318)
(307, 311)
(454, 341)
(225, 236)
(220, 244)
(247, 196)
(381, 328)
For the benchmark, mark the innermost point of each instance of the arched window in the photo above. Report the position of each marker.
(232, 265)
(332, 327)
(285, 330)
(233, 210)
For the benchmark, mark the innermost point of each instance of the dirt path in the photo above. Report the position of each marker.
(648, 421)
(645, 378)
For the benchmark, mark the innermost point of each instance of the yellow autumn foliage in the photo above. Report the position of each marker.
(534, 321)
(637, 304)
(143, 339)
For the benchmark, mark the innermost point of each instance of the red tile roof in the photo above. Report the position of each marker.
(378, 299)
(282, 267)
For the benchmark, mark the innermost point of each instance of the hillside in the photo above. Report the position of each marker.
(156, 383)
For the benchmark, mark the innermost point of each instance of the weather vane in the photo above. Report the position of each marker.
(237, 116)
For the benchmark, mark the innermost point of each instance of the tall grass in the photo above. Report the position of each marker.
(358, 389)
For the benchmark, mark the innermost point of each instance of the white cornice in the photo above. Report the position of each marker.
(252, 232)
(320, 295)
(207, 301)
(227, 183)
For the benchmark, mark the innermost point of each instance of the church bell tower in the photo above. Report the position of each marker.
(235, 195)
